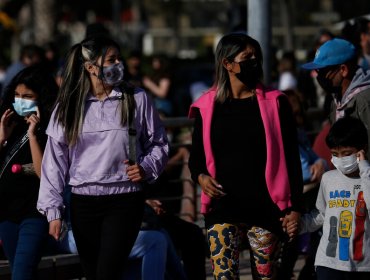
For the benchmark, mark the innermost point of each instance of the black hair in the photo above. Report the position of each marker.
(347, 132)
(40, 81)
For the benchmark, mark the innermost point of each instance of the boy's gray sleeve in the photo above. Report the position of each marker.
(313, 220)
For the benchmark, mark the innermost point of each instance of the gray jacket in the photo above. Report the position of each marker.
(355, 102)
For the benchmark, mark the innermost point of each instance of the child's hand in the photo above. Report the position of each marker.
(361, 155)
(292, 229)
(290, 224)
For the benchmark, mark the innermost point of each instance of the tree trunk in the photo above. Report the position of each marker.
(44, 20)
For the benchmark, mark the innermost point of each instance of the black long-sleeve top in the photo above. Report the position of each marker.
(18, 191)
(239, 146)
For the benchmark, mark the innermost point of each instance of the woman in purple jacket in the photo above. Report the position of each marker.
(245, 158)
(104, 139)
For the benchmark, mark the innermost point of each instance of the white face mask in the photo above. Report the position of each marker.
(347, 164)
(24, 107)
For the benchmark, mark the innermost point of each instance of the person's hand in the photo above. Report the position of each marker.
(147, 82)
(6, 125)
(156, 205)
(292, 229)
(317, 170)
(33, 121)
(54, 228)
(290, 220)
(210, 186)
(361, 155)
(134, 172)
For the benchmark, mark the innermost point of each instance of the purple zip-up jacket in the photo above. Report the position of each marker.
(95, 164)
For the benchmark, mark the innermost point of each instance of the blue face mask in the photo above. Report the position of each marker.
(24, 107)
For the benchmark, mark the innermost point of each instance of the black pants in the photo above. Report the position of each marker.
(105, 229)
(324, 273)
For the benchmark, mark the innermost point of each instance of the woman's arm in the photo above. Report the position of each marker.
(197, 163)
(197, 159)
(153, 140)
(54, 169)
(161, 90)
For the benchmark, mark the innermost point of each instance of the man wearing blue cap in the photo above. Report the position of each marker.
(339, 74)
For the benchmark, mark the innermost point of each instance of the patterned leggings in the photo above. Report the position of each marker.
(225, 241)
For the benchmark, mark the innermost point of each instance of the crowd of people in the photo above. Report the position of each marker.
(86, 162)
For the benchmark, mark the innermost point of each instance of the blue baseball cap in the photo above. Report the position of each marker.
(332, 52)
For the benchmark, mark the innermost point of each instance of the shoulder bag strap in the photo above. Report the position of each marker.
(12, 152)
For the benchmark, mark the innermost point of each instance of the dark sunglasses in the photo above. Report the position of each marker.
(324, 71)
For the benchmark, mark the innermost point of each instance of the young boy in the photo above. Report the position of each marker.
(343, 205)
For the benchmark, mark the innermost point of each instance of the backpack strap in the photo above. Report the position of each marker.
(131, 133)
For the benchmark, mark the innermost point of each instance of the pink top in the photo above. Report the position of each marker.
(277, 180)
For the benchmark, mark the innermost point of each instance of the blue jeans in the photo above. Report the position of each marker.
(23, 245)
(151, 247)
(154, 257)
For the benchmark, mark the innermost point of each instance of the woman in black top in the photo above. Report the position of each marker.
(25, 112)
(245, 158)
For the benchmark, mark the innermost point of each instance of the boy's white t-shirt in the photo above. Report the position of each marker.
(343, 206)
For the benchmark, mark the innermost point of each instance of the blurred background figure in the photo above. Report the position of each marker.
(287, 72)
(364, 60)
(157, 82)
(358, 33)
(29, 55)
(3, 66)
(52, 57)
(97, 29)
(134, 68)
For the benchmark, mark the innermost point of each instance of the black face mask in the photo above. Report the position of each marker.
(328, 86)
(250, 72)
